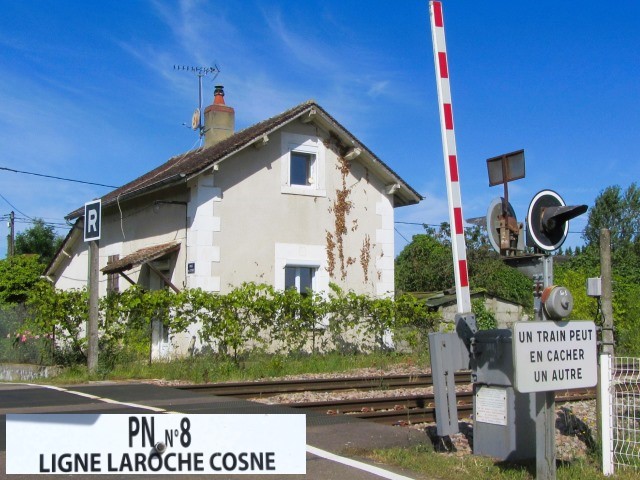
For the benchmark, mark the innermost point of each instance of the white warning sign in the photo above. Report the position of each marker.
(552, 356)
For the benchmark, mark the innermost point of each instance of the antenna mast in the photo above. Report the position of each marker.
(196, 120)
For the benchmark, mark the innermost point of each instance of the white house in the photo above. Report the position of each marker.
(295, 201)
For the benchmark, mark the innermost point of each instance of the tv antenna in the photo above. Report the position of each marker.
(196, 119)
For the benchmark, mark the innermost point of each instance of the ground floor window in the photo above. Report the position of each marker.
(300, 278)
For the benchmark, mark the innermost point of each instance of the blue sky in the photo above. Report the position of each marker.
(88, 91)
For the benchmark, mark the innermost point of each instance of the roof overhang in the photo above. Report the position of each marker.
(73, 236)
(144, 255)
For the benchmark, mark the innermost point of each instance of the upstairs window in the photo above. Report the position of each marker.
(302, 165)
(302, 168)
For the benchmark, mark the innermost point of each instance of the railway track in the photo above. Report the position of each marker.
(411, 408)
(393, 410)
(260, 389)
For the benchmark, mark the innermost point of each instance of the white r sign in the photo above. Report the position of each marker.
(92, 220)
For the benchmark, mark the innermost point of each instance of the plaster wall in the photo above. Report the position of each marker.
(241, 212)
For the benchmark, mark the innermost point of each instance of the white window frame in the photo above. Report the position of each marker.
(312, 177)
(303, 255)
(314, 270)
(310, 145)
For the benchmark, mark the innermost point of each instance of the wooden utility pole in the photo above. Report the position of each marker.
(92, 326)
(606, 292)
(92, 227)
(11, 236)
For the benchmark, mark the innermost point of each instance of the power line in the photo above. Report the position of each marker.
(14, 207)
(437, 225)
(57, 178)
(405, 238)
(416, 223)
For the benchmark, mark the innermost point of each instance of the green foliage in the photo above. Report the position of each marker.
(617, 211)
(125, 321)
(230, 321)
(40, 239)
(425, 265)
(250, 317)
(575, 279)
(485, 320)
(573, 274)
(252, 366)
(429, 464)
(502, 280)
(626, 314)
(17, 344)
(18, 275)
(61, 315)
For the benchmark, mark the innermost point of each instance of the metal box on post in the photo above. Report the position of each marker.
(504, 419)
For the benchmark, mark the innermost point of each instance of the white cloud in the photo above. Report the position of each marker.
(378, 88)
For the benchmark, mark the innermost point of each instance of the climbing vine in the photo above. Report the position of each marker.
(365, 256)
(331, 259)
(340, 208)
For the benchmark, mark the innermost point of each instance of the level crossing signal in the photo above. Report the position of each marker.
(548, 220)
(547, 224)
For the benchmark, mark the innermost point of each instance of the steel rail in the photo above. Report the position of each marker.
(276, 387)
(410, 409)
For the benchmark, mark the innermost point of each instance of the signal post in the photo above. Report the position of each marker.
(92, 230)
(514, 372)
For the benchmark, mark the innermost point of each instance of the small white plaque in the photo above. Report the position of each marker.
(491, 405)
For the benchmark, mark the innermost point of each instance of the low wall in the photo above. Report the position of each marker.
(16, 372)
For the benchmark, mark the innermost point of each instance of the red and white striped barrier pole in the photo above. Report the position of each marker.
(458, 243)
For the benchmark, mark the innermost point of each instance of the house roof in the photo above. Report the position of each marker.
(72, 236)
(141, 256)
(182, 167)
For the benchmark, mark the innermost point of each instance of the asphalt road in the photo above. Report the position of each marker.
(332, 442)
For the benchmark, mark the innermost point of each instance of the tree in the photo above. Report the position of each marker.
(619, 212)
(39, 239)
(426, 265)
(18, 275)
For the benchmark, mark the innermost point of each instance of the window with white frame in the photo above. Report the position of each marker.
(302, 165)
(299, 278)
(301, 168)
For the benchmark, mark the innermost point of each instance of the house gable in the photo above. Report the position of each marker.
(181, 168)
(244, 210)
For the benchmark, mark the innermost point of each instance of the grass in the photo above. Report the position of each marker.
(423, 460)
(213, 368)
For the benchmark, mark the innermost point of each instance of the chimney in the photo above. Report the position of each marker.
(219, 120)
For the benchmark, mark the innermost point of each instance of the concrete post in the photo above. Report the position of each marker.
(607, 292)
(546, 406)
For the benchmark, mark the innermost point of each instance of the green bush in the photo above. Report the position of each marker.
(251, 317)
(18, 344)
(18, 275)
(485, 320)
